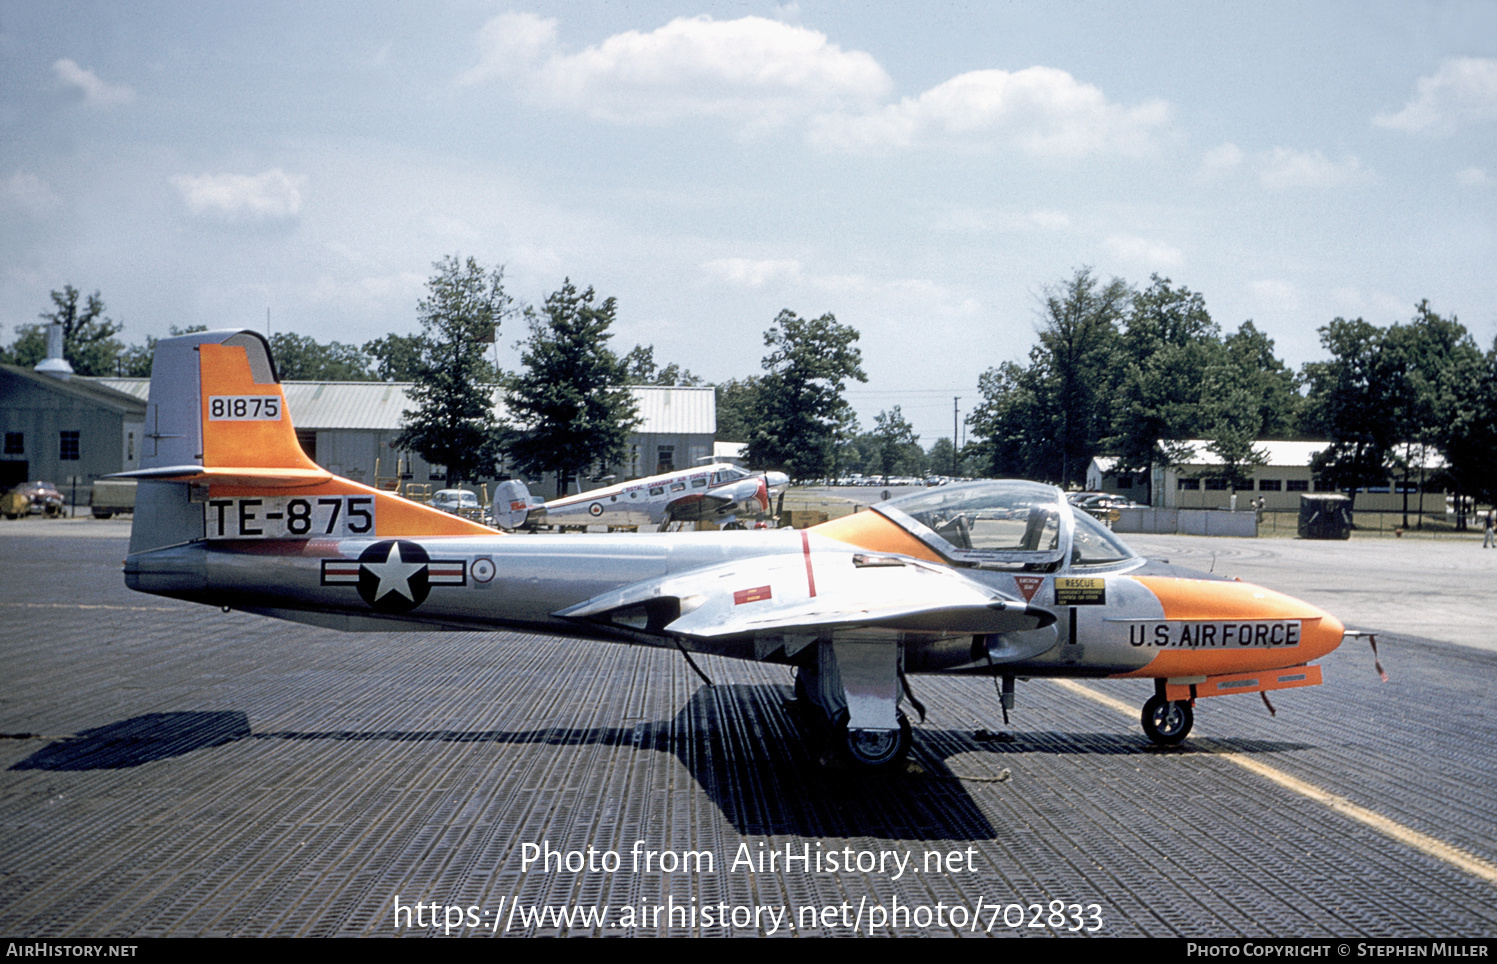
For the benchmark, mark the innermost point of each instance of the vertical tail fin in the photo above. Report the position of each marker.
(515, 507)
(218, 431)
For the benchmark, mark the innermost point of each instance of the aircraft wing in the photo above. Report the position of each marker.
(776, 600)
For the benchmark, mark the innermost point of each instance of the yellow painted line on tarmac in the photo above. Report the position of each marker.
(1424, 843)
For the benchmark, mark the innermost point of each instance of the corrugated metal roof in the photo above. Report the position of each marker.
(81, 386)
(378, 405)
(677, 411)
(1287, 454)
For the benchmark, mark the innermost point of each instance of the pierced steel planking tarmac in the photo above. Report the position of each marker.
(171, 770)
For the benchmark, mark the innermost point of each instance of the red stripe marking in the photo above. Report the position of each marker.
(750, 595)
(805, 544)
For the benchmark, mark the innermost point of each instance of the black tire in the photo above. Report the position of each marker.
(1167, 722)
(873, 751)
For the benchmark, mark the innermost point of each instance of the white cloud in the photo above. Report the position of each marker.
(1284, 168)
(1275, 294)
(760, 74)
(754, 274)
(1472, 176)
(1227, 157)
(28, 193)
(1462, 91)
(1375, 306)
(271, 196)
(1043, 110)
(980, 220)
(1144, 252)
(96, 93)
(753, 71)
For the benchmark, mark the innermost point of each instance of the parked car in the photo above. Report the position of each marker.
(458, 502)
(28, 497)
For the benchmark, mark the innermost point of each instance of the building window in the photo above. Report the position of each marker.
(1190, 484)
(1297, 485)
(1270, 485)
(68, 451)
(665, 458)
(1323, 486)
(15, 443)
(1125, 481)
(1216, 483)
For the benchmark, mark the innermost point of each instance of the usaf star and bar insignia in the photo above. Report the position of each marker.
(394, 576)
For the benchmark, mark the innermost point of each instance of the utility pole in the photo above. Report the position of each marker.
(954, 423)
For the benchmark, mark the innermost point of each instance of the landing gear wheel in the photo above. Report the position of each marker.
(1167, 722)
(873, 749)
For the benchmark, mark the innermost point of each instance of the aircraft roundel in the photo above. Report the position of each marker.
(595, 509)
(394, 577)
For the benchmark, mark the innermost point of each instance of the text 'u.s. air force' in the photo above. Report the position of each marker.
(1222, 634)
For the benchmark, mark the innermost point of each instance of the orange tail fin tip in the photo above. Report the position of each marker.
(243, 445)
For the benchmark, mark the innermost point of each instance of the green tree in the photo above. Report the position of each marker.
(1267, 378)
(895, 437)
(88, 341)
(395, 358)
(1350, 402)
(571, 404)
(1048, 420)
(1168, 343)
(801, 415)
(1008, 421)
(453, 423)
(299, 358)
(1432, 365)
(1232, 423)
(1471, 445)
(737, 408)
(640, 369)
(942, 458)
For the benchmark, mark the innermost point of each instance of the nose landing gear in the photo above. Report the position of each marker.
(1167, 722)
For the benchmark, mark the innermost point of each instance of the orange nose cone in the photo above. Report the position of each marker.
(1319, 638)
(1242, 611)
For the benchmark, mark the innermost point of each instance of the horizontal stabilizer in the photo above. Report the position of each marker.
(273, 478)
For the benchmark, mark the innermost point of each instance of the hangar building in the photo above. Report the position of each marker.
(1195, 481)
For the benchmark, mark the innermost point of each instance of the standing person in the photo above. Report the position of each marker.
(1488, 539)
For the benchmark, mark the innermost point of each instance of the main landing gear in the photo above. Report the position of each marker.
(874, 749)
(851, 692)
(1167, 722)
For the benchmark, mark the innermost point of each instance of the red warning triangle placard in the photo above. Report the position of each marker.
(1029, 585)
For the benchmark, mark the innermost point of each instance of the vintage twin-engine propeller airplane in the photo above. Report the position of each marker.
(717, 493)
(992, 578)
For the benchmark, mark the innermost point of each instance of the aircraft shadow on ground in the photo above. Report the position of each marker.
(745, 745)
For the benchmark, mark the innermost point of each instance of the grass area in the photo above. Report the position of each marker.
(1377, 525)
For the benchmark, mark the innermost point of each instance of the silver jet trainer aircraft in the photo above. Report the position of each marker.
(717, 493)
(993, 578)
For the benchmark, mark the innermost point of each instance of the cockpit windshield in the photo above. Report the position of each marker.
(1094, 544)
(1005, 524)
(999, 522)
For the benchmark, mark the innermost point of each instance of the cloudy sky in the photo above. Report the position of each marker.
(922, 171)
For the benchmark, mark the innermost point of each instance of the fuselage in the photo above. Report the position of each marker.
(1120, 615)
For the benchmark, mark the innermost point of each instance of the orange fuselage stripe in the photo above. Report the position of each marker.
(871, 531)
